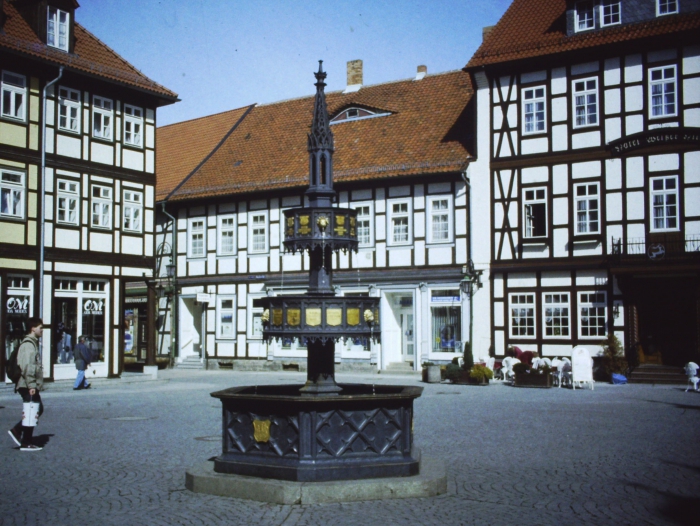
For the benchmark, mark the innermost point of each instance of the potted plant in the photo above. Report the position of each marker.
(480, 375)
(525, 376)
(613, 360)
(431, 373)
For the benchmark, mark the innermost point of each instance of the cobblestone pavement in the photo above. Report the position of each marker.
(117, 454)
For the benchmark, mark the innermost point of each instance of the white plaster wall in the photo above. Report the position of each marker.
(132, 159)
(691, 60)
(522, 279)
(635, 172)
(591, 278)
(613, 206)
(68, 146)
(197, 267)
(559, 81)
(659, 163)
(100, 242)
(692, 167)
(633, 68)
(227, 265)
(559, 106)
(582, 69)
(636, 230)
(535, 145)
(611, 75)
(257, 264)
(440, 256)
(132, 245)
(691, 117)
(537, 174)
(399, 257)
(560, 243)
(586, 169)
(560, 211)
(102, 153)
(419, 252)
(560, 179)
(497, 118)
(587, 248)
(613, 129)
(550, 349)
(66, 238)
(634, 124)
(692, 201)
(635, 205)
(560, 137)
(634, 98)
(612, 101)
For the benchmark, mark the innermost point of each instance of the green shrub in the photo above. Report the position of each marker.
(520, 368)
(613, 359)
(468, 356)
(480, 373)
(453, 372)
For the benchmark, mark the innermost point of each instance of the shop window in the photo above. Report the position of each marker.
(225, 317)
(535, 212)
(400, 222)
(662, 92)
(585, 102)
(17, 308)
(440, 221)
(68, 109)
(101, 207)
(522, 315)
(68, 202)
(556, 315)
(446, 320)
(534, 110)
(14, 95)
(12, 186)
(226, 235)
(133, 125)
(587, 208)
(257, 233)
(57, 28)
(592, 314)
(664, 203)
(133, 211)
(102, 118)
(365, 224)
(195, 238)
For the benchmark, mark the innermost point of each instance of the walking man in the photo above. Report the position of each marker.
(30, 383)
(83, 358)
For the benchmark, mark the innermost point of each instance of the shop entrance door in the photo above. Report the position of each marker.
(407, 335)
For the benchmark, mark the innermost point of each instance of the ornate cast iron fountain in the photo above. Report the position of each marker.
(321, 430)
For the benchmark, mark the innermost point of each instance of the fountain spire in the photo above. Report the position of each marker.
(320, 147)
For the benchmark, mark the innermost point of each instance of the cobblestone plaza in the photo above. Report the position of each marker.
(117, 454)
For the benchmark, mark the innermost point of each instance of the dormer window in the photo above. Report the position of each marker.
(585, 15)
(666, 7)
(355, 113)
(57, 28)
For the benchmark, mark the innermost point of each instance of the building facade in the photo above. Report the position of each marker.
(588, 126)
(401, 150)
(77, 183)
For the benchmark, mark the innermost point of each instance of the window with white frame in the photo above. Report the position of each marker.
(226, 235)
(446, 318)
(664, 203)
(257, 233)
(133, 125)
(587, 204)
(585, 15)
(662, 91)
(67, 202)
(534, 112)
(400, 222)
(12, 194)
(609, 12)
(585, 102)
(195, 238)
(102, 118)
(364, 224)
(556, 315)
(666, 7)
(57, 28)
(255, 323)
(225, 317)
(101, 206)
(440, 221)
(522, 315)
(535, 212)
(133, 211)
(592, 314)
(68, 109)
(14, 95)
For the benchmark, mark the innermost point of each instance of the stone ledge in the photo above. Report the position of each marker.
(431, 481)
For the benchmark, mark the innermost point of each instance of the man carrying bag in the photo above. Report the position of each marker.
(83, 357)
(29, 384)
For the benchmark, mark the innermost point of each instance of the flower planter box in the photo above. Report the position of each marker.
(468, 380)
(532, 380)
(431, 374)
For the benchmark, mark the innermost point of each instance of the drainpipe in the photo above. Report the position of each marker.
(174, 323)
(465, 178)
(42, 202)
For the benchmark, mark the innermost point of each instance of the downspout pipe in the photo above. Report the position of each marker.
(42, 202)
(174, 322)
(465, 178)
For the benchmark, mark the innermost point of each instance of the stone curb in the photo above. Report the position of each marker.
(431, 481)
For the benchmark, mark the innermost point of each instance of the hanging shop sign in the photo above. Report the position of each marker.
(94, 307)
(17, 305)
(655, 137)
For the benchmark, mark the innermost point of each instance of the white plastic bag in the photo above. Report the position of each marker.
(30, 414)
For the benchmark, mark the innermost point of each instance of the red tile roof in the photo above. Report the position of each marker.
(90, 54)
(425, 133)
(536, 28)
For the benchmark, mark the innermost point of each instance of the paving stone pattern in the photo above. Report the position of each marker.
(117, 455)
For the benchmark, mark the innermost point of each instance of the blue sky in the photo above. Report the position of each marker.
(224, 54)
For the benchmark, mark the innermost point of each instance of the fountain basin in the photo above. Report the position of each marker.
(274, 431)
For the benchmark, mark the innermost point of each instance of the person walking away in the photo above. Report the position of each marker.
(30, 382)
(83, 358)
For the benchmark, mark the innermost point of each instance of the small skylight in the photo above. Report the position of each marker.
(355, 114)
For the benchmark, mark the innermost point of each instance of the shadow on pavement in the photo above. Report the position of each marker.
(42, 440)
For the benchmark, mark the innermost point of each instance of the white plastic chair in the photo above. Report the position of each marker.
(565, 372)
(581, 368)
(691, 371)
(508, 363)
(490, 363)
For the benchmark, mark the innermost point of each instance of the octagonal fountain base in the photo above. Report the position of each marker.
(275, 432)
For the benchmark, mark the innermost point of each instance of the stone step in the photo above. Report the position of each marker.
(657, 374)
(191, 362)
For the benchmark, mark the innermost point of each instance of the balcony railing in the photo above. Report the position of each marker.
(658, 247)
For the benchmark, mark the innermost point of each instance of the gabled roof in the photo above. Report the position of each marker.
(90, 55)
(426, 133)
(537, 28)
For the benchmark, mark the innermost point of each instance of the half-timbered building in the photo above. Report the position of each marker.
(77, 184)
(401, 150)
(587, 172)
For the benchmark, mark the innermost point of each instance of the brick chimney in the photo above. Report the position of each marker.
(485, 32)
(422, 72)
(354, 76)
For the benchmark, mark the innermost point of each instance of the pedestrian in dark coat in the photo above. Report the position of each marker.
(83, 358)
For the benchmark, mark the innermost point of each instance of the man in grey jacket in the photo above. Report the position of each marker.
(30, 383)
(83, 357)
